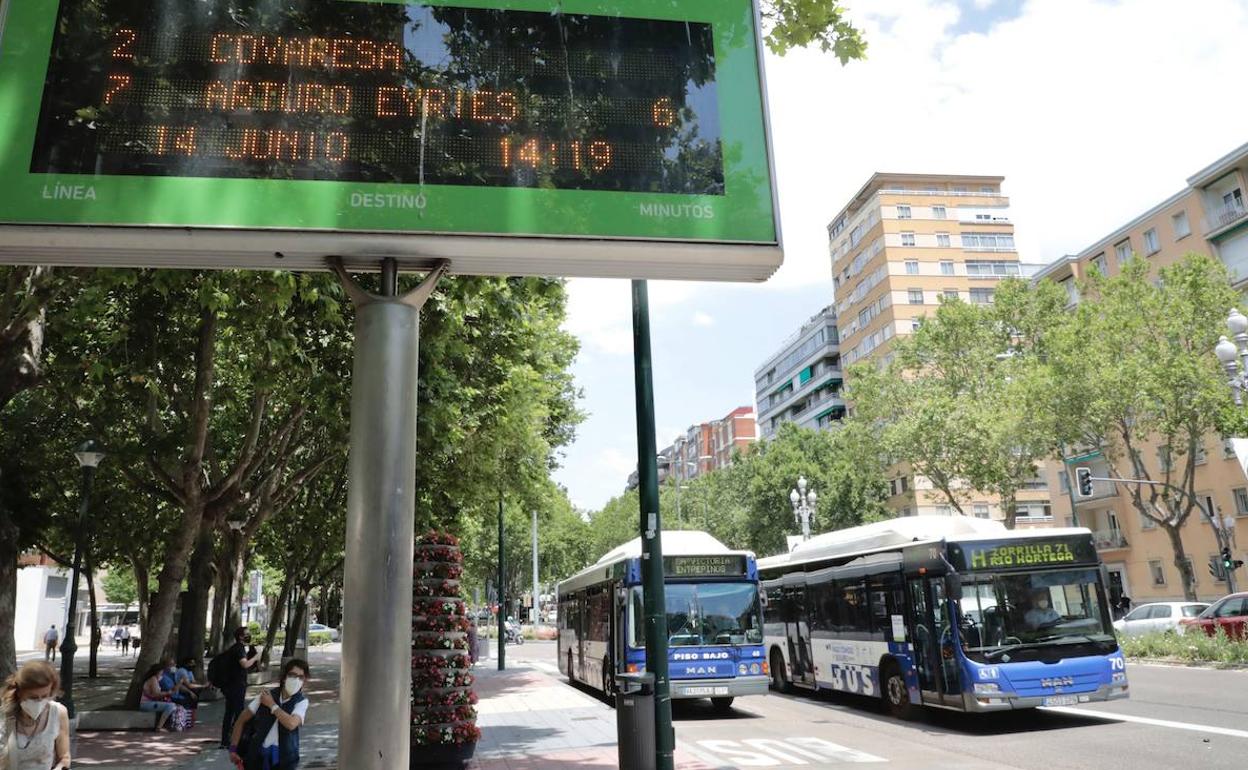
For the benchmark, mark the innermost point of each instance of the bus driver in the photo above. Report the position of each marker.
(1040, 614)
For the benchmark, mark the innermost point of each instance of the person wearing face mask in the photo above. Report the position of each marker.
(240, 658)
(278, 714)
(1041, 613)
(35, 734)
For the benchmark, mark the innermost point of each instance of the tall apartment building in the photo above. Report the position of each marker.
(1207, 216)
(802, 382)
(734, 431)
(900, 245)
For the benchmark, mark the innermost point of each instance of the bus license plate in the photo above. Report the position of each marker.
(1061, 700)
(705, 690)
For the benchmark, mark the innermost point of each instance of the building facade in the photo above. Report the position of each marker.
(802, 381)
(734, 432)
(704, 447)
(1207, 216)
(903, 244)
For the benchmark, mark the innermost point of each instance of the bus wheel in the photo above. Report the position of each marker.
(895, 695)
(722, 704)
(779, 679)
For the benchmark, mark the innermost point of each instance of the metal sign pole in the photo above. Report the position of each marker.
(651, 532)
(375, 722)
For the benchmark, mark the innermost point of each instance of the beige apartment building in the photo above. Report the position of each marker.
(900, 245)
(1207, 216)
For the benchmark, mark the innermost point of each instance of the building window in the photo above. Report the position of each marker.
(987, 189)
(1101, 264)
(916, 324)
(946, 268)
(1241, 501)
(912, 266)
(980, 510)
(988, 241)
(951, 293)
(938, 212)
(56, 587)
(1151, 244)
(1122, 251)
(1159, 575)
(907, 239)
(981, 296)
(990, 269)
(1181, 227)
(903, 212)
(1215, 568)
(1202, 455)
(1191, 570)
(1063, 482)
(916, 296)
(944, 510)
(1228, 449)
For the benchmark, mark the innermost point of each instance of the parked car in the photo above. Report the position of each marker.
(1157, 617)
(1229, 613)
(322, 628)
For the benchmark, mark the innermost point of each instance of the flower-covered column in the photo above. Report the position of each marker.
(444, 729)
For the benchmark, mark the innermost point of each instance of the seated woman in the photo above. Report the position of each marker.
(155, 698)
(180, 681)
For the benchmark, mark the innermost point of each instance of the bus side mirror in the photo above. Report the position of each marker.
(762, 597)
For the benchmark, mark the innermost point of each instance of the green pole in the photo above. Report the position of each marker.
(502, 593)
(651, 533)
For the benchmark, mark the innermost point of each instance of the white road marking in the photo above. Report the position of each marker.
(770, 752)
(1113, 717)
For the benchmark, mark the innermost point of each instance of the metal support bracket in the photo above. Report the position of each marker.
(415, 298)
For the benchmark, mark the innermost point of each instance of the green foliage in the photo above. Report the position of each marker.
(965, 401)
(120, 587)
(798, 23)
(1191, 647)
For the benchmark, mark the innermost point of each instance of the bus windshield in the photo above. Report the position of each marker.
(706, 614)
(1026, 614)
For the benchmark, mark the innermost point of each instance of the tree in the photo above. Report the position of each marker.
(965, 400)
(1139, 382)
(798, 23)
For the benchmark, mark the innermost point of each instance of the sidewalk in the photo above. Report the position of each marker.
(529, 719)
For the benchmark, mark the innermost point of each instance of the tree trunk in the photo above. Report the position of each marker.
(93, 670)
(141, 576)
(221, 591)
(159, 626)
(21, 354)
(279, 607)
(8, 595)
(298, 619)
(234, 608)
(1180, 561)
(199, 580)
(1009, 505)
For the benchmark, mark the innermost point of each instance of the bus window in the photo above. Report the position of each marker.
(636, 620)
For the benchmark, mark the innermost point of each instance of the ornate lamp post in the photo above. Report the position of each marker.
(89, 458)
(1227, 352)
(803, 501)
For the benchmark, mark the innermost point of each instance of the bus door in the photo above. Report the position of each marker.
(933, 641)
(797, 630)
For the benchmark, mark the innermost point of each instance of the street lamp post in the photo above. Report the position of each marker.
(803, 501)
(89, 458)
(1227, 352)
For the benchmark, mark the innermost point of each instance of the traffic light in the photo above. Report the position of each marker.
(1083, 481)
(1229, 562)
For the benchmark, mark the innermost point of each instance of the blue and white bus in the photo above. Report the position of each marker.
(947, 612)
(714, 619)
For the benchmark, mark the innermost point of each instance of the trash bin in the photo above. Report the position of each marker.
(634, 719)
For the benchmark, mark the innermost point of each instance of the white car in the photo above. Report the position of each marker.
(315, 627)
(1157, 617)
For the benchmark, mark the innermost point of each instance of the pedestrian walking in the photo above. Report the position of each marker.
(117, 638)
(230, 675)
(277, 715)
(50, 638)
(125, 641)
(472, 641)
(35, 734)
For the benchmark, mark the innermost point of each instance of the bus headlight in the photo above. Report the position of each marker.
(742, 670)
(987, 688)
(1119, 677)
(754, 669)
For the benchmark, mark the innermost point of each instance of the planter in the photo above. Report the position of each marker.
(452, 755)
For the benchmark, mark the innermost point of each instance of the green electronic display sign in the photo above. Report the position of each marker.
(1042, 552)
(593, 137)
(704, 566)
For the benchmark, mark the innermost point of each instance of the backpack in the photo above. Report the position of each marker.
(219, 669)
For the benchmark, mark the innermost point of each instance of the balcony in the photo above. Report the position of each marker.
(1109, 540)
(1225, 216)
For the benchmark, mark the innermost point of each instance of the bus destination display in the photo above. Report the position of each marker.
(382, 93)
(704, 566)
(1010, 555)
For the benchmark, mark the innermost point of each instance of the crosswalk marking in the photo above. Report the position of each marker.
(770, 752)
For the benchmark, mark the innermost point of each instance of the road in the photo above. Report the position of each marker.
(1176, 717)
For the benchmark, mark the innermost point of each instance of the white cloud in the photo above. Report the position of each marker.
(703, 319)
(983, 5)
(1090, 122)
(618, 462)
(600, 311)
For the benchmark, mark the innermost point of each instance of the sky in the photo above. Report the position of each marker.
(1092, 110)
